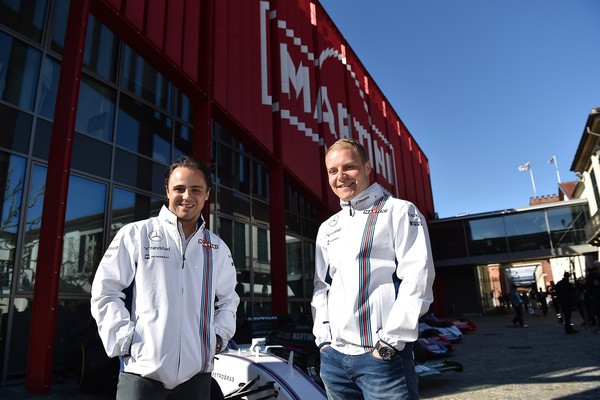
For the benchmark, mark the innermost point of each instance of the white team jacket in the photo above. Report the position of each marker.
(180, 301)
(373, 275)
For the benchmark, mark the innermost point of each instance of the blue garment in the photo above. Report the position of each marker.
(514, 298)
(357, 377)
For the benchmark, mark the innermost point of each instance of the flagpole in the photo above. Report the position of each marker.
(527, 167)
(532, 181)
(555, 162)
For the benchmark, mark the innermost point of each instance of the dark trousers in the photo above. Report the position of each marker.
(567, 311)
(135, 387)
(518, 315)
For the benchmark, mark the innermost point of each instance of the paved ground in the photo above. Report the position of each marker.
(500, 362)
(538, 362)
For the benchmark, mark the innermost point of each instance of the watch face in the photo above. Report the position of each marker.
(385, 353)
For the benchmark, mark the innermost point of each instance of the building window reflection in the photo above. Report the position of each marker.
(19, 72)
(83, 238)
(12, 170)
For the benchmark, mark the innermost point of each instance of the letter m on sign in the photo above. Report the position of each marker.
(300, 78)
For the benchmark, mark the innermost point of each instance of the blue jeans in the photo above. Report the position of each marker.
(366, 377)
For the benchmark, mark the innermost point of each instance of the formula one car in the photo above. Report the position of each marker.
(432, 345)
(463, 325)
(451, 332)
(254, 372)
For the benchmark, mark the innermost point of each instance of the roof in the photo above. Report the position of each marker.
(588, 143)
(566, 189)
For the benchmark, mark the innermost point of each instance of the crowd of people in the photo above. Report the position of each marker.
(580, 295)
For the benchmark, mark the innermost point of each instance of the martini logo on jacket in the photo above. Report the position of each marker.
(206, 244)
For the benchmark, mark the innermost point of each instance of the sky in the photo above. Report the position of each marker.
(484, 86)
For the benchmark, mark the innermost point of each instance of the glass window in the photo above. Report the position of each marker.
(309, 268)
(260, 182)
(15, 129)
(261, 212)
(82, 243)
(487, 236)
(233, 169)
(25, 17)
(19, 70)
(141, 79)
(235, 235)
(232, 203)
(293, 254)
(42, 139)
(96, 109)
(130, 207)
(595, 188)
(91, 155)
(101, 47)
(185, 110)
(19, 338)
(33, 220)
(567, 225)
(48, 87)
(12, 170)
(59, 27)
(448, 240)
(144, 130)
(183, 140)
(527, 231)
(73, 326)
(139, 172)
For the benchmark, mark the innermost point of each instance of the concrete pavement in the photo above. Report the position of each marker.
(538, 362)
(500, 362)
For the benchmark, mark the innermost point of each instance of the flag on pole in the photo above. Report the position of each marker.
(552, 160)
(524, 167)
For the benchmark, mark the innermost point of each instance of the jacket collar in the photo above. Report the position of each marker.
(363, 200)
(171, 219)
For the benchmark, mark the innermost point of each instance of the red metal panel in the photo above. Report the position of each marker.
(331, 71)
(155, 22)
(242, 73)
(45, 295)
(297, 100)
(174, 29)
(393, 124)
(191, 38)
(134, 12)
(430, 208)
(417, 159)
(277, 236)
(380, 146)
(116, 4)
(407, 151)
(357, 86)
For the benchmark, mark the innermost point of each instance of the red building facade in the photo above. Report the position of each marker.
(278, 77)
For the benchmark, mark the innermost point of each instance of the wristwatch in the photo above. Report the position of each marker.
(385, 352)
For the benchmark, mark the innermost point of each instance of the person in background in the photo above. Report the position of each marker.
(593, 287)
(514, 298)
(565, 291)
(182, 306)
(555, 304)
(373, 280)
(541, 297)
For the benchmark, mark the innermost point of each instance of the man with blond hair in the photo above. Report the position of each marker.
(373, 280)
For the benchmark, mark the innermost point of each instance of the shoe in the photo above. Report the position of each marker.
(523, 326)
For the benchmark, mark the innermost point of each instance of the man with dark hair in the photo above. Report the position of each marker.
(373, 280)
(565, 291)
(183, 302)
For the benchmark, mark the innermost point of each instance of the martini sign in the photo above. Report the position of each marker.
(323, 92)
